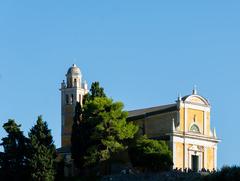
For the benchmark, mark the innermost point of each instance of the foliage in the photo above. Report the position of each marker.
(100, 129)
(42, 152)
(79, 138)
(225, 174)
(151, 154)
(14, 162)
(95, 91)
(60, 164)
(110, 131)
(81, 128)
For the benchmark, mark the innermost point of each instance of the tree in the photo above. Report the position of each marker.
(100, 129)
(226, 173)
(78, 138)
(13, 160)
(110, 131)
(151, 154)
(81, 128)
(95, 91)
(42, 152)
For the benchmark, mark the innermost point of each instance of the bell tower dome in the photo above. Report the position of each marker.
(72, 91)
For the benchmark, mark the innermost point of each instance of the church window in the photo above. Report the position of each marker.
(194, 128)
(72, 98)
(67, 99)
(75, 82)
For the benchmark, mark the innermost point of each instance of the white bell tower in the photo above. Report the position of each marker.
(72, 91)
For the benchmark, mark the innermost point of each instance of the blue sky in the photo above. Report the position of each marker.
(143, 53)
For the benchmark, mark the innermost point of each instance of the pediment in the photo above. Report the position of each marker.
(196, 99)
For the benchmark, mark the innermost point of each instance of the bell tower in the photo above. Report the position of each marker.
(72, 91)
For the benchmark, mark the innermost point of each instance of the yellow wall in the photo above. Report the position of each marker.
(210, 158)
(66, 140)
(179, 155)
(208, 124)
(67, 129)
(199, 119)
(182, 117)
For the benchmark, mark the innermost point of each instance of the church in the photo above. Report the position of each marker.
(185, 124)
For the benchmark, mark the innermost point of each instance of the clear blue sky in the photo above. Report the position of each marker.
(143, 53)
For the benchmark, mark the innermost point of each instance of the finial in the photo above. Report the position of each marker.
(74, 65)
(214, 133)
(195, 90)
(85, 85)
(63, 84)
(179, 97)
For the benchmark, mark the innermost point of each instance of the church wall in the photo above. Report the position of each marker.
(179, 155)
(160, 124)
(140, 123)
(67, 129)
(210, 158)
(182, 118)
(208, 124)
(199, 119)
(68, 124)
(66, 140)
(68, 119)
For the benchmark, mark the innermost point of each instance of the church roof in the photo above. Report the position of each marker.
(74, 70)
(141, 113)
(65, 149)
(185, 97)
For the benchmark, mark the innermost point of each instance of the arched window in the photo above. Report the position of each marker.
(194, 128)
(67, 99)
(72, 99)
(75, 82)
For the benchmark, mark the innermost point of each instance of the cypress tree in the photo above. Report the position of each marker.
(42, 152)
(13, 160)
(81, 129)
(77, 137)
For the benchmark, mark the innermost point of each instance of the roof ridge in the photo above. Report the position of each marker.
(153, 107)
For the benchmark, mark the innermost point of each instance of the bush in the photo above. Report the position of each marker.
(153, 155)
(225, 174)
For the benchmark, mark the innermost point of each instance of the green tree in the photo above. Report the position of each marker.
(79, 137)
(95, 91)
(151, 154)
(110, 132)
(42, 152)
(100, 129)
(13, 160)
(81, 128)
(225, 174)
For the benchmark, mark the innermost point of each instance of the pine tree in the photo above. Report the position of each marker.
(100, 129)
(42, 152)
(13, 160)
(110, 131)
(81, 128)
(95, 91)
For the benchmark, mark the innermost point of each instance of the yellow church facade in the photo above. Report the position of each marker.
(186, 127)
